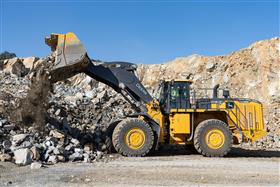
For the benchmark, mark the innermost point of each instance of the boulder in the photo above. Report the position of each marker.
(29, 62)
(19, 138)
(23, 156)
(5, 158)
(36, 165)
(16, 67)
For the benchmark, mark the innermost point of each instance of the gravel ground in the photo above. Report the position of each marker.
(165, 168)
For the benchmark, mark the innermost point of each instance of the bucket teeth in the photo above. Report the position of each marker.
(52, 41)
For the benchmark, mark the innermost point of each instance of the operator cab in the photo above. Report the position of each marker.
(174, 94)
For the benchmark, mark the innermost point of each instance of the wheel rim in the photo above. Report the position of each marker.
(215, 138)
(135, 138)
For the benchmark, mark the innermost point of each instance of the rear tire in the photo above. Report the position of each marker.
(212, 138)
(133, 138)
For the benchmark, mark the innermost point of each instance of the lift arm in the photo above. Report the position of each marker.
(71, 58)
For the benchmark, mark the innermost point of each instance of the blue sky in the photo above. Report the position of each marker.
(139, 32)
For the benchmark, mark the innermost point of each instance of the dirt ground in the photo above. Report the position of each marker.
(164, 168)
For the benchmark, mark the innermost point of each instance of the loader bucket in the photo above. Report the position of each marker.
(70, 55)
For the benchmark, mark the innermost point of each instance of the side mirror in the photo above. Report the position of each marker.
(226, 93)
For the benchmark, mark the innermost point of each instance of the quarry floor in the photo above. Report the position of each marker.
(164, 168)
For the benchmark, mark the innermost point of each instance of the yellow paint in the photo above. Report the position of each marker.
(179, 127)
(215, 138)
(155, 113)
(180, 123)
(135, 138)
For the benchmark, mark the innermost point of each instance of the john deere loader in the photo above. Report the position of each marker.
(211, 124)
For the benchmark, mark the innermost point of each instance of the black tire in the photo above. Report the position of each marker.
(108, 139)
(120, 133)
(201, 131)
(109, 145)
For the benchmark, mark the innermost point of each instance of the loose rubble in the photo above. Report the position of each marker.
(73, 126)
(71, 117)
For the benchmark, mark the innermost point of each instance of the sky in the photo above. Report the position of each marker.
(138, 31)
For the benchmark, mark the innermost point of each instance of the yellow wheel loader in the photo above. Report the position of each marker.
(211, 124)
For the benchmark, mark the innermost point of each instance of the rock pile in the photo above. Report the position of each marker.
(75, 124)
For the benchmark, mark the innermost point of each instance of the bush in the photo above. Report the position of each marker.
(5, 55)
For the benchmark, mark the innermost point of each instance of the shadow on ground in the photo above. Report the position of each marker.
(235, 152)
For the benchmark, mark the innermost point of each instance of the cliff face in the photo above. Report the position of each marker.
(252, 72)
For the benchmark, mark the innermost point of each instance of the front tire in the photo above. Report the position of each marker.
(133, 137)
(213, 138)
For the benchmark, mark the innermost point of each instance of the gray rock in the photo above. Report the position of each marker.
(89, 94)
(36, 165)
(18, 138)
(99, 155)
(75, 142)
(57, 112)
(23, 156)
(78, 150)
(26, 144)
(75, 156)
(69, 147)
(86, 158)
(60, 158)
(52, 159)
(56, 151)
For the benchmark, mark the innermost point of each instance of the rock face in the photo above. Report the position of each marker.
(77, 111)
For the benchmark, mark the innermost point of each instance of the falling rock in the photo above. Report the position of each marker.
(5, 157)
(23, 156)
(36, 165)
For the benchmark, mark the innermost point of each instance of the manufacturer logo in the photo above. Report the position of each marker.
(141, 88)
